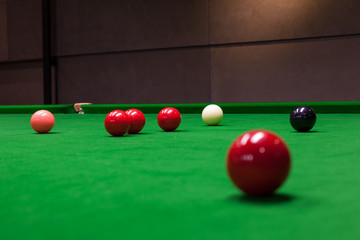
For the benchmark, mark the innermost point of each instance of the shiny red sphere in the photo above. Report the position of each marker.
(137, 120)
(258, 162)
(169, 119)
(117, 123)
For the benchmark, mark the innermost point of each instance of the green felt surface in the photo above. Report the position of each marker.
(278, 107)
(80, 183)
(33, 108)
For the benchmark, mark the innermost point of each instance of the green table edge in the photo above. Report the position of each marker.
(68, 108)
(283, 107)
(277, 107)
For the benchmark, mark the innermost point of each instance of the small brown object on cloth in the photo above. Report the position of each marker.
(77, 106)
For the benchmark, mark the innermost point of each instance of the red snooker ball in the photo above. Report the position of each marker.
(137, 120)
(117, 123)
(258, 162)
(169, 119)
(42, 121)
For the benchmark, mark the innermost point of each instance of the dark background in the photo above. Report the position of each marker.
(171, 51)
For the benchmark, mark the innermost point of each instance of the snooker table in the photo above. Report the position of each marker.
(78, 182)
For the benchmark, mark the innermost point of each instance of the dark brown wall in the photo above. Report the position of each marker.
(21, 83)
(118, 51)
(3, 32)
(20, 26)
(326, 70)
(166, 76)
(234, 21)
(281, 51)
(20, 52)
(85, 26)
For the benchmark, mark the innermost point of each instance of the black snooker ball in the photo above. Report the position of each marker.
(303, 118)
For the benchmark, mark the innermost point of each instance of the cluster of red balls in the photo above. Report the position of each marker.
(258, 161)
(132, 121)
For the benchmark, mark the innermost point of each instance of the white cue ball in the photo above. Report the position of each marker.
(212, 115)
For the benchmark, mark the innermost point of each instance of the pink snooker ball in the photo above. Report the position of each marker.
(42, 121)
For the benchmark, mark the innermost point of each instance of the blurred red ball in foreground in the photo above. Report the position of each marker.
(169, 119)
(42, 121)
(137, 120)
(258, 162)
(117, 123)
